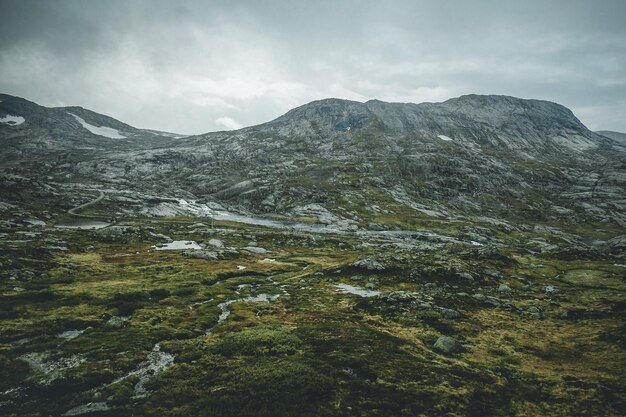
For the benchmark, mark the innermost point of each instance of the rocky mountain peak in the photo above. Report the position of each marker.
(531, 126)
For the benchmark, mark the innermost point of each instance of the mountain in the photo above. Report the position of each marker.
(616, 136)
(41, 130)
(501, 121)
(345, 259)
(470, 156)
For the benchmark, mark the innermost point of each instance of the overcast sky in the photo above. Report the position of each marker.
(197, 66)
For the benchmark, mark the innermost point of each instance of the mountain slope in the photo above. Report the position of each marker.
(526, 125)
(345, 259)
(45, 129)
(366, 163)
(616, 136)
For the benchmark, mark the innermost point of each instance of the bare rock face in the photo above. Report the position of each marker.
(334, 162)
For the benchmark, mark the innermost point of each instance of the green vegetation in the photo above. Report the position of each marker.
(83, 325)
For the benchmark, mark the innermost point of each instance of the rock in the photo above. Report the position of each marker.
(368, 263)
(400, 296)
(549, 289)
(503, 288)
(493, 301)
(466, 275)
(447, 344)
(201, 254)
(113, 231)
(160, 236)
(117, 321)
(431, 286)
(256, 249)
(533, 312)
(216, 242)
(479, 297)
(448, 313)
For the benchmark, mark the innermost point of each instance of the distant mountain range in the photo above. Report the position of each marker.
(360, 164)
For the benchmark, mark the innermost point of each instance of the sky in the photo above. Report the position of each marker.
(191, 67)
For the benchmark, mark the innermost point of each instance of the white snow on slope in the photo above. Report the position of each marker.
(107, 132)
(444, 137)
(12, 120)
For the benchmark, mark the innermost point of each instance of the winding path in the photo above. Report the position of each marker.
(73, 211)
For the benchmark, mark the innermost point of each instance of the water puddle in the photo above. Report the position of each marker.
(83, 225)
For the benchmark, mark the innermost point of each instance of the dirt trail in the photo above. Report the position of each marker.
(73, 211)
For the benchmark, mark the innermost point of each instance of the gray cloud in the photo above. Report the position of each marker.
(197, 66)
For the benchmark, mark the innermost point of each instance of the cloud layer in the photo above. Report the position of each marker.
(197, 66)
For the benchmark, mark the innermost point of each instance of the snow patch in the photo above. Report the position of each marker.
(12, 120)
(177, 245)
(361, 292)
(107, 132)
(444, 137)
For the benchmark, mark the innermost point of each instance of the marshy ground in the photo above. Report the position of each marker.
(270, 322)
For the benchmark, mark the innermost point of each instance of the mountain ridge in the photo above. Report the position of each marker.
(435, 159)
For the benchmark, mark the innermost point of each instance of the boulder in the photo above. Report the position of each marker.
(447, 345)
(368, 263)
(256, 249)
(503, 288)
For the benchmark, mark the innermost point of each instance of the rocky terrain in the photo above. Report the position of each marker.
(346, 259)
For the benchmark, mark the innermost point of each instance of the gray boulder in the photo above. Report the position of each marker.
(447, 344)
(368, 263)
(503, 288)
(448, 313)
(216, 242)
(201, 254)
(256, 249)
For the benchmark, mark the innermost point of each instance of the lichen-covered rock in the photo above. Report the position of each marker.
(503, 288)
(369, 264)
(256, 250)
(448, 313)
(447, 345)
(201, 254)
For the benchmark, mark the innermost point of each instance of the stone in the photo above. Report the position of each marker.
(533, 312)
(448, 313)
(479, 297)
(256, 249)
(548, 289)
(466, 275)
(368, 263)
(116, 322)
(201, 254)
(503, 288)
(216, 242)
(447, 345)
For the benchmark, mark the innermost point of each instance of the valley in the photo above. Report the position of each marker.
(342, 260)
